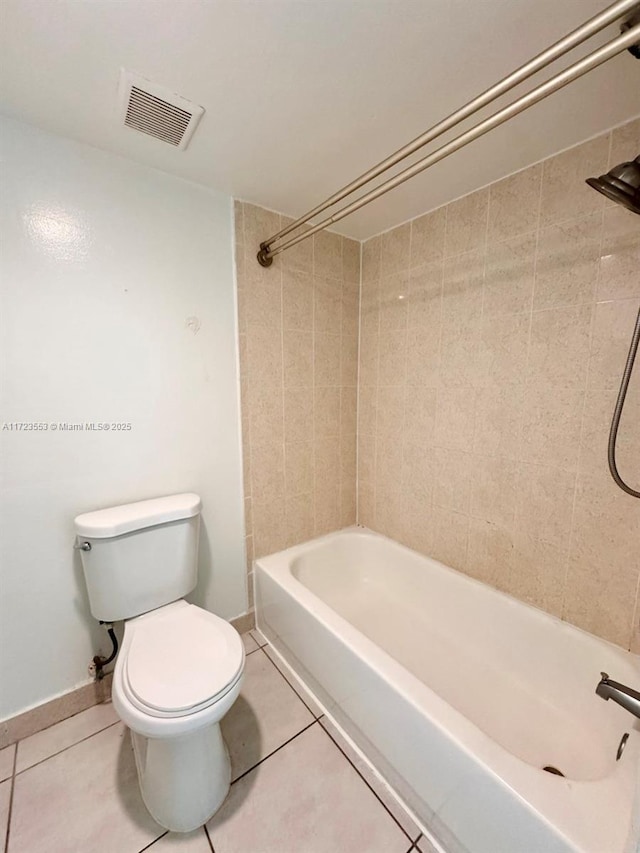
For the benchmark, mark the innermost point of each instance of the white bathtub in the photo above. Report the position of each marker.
(459, 695)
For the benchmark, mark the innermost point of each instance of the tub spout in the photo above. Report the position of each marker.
(620, 693)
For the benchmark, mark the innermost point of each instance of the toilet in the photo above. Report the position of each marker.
(180, 668)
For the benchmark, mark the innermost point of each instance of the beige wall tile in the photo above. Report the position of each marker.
(612, 329)
(423, 356)
(598, 411)
(564, 192)
(551, 424)
(427, 237)
(498, 420)
(348, 459)
(514, 203)
(452, 479)
(606, 524)
(460, 352)
(259, 225)
(347, 504)
(394, 249)
(620, 260)
(326, 456)
(502, 357)
(326, 411)
(600, 600)
(326, 358)
(559, 346)
(371, 259)
(350, 260)
(625, 143)
(298, 414)
(424, 309)
(297, 299)
(494, 481)
(538, 574)
(420, 414)
(462, 287)
(455, 415)
(267, 466)
(567, 263)
(299, 467)
(327, 510)
(509, 275)
(264, 356)
(270, 529)
(390, 412)
(369, 351)
(300, 256)
(490, 555)
(367, 408)
(265, 404)
(298, 357)
(394, 298)
(327, 254)
(450, 538)
(299, 511)
(466, 228)
(327, 304)
(419, 473)
(366, 458)
(392, 364)
(262, 296)
(367, 504)
(544, 503)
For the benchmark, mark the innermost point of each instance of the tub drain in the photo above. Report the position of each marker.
(550, 769)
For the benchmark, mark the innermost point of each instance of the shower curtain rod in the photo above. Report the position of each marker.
(628, 39)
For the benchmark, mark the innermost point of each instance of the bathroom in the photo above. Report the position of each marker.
(427, 387)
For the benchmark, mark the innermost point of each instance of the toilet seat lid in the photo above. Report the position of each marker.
(183, 659)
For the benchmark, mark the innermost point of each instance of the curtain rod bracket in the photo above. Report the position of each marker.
(264, 258)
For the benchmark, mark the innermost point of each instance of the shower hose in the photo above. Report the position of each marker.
(615, 423)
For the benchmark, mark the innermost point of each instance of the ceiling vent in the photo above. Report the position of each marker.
(157, 111)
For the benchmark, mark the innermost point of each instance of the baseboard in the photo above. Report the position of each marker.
(58, 709)
(245, 622)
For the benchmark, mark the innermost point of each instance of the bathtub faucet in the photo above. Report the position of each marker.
(620, 693)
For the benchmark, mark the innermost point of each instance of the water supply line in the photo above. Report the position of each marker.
(98, 661)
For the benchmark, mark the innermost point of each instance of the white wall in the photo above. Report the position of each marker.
(108, 270)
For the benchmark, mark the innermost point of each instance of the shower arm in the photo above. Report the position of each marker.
(626, 40)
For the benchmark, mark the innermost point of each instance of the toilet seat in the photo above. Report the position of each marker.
(179, 660)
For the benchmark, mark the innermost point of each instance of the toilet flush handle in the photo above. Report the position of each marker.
(82, 546)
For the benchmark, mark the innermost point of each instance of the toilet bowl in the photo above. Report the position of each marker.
(180, 667)
(179, 671)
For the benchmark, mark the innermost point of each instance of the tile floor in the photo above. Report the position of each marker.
(297, 786)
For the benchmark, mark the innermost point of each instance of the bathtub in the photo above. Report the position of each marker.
(459, 695)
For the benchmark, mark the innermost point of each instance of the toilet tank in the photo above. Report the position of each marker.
(139, 556)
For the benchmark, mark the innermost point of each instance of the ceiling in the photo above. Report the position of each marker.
(303, 95)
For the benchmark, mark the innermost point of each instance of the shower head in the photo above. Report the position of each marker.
(621, 184)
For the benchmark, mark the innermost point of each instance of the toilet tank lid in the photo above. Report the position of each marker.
(105, 523)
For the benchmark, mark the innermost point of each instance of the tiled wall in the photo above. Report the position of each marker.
(494, 333)
(298, 323)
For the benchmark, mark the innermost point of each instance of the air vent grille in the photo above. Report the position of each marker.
(157, 112)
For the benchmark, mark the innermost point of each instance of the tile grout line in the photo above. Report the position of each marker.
(155, 840)
(208, 837)
(384, 806)
(277, 749)
(11, 793)
(64, 749)
(277, 668)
